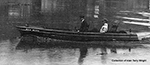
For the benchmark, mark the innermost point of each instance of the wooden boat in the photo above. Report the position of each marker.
(76, 36)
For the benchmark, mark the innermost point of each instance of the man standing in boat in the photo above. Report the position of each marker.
(84, 25)
(104, 28)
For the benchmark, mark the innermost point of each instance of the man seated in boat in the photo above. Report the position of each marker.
(84, 25)
(104, 28)
(114, 26)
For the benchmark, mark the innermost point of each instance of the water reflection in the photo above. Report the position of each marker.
(104, 59)
(103, 54)
(103, 51)
(83, 54)
(113, 50)
(26, 52)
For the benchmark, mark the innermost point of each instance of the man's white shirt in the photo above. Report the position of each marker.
(104, 28)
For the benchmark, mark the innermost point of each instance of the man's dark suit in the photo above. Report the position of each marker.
(84, 26)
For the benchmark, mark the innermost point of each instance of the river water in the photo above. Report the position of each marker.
(27, 51)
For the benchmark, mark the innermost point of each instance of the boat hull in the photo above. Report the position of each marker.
(76, 36)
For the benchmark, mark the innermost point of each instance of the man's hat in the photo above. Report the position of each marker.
(81, 16)
(105, 20)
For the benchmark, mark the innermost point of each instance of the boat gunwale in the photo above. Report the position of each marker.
(69, 34)
(74, 32)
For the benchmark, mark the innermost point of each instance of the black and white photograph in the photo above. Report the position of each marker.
(74, 32)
